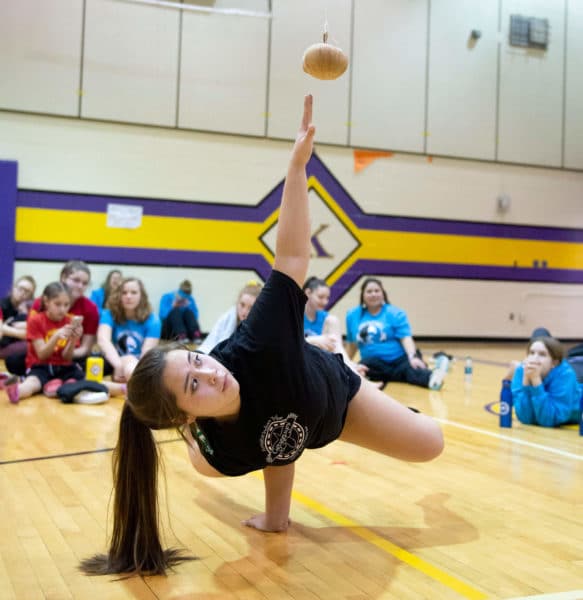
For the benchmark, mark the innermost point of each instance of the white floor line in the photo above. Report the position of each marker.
(574, 595)
(511, 439)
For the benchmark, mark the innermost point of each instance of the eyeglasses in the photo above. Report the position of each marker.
(24, 290)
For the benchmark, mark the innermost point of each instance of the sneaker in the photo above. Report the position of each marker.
(87, 397)
(438, 374)
(50, 387)
(11, 387)
(437, 356)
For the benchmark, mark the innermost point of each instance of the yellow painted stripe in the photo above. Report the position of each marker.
(53, 226)
(333, 205)
(442, 248)
(421, 565)
(399, 553)
(176, 233)
(574, 595)
(341, 269)
(449, 248)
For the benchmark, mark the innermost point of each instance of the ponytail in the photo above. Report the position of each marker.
(135, 542)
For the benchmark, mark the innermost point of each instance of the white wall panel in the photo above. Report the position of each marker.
(463, 75)
(130, 63)
(297, 25)
(91, 157)
(574, 87)
(448, 188)
(40, 55)
(487, 309)
(389, 74)
(74, 155)
(223, 75)
(531, 89)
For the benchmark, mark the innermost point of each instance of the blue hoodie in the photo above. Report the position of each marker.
(167, 300)
(554, 402)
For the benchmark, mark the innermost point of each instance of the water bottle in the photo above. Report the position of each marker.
(94, 368)
(506, 404)
(468, 371)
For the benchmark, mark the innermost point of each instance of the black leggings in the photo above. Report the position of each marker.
(396, 370)
(16, 364)
(179, 324)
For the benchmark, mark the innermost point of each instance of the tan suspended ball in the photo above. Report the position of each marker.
(324, 61)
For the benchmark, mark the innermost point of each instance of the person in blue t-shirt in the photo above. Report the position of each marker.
(545, 390)
(382, 334)
(100, 296)
(127, 328)
(322, 329)
(179, 314)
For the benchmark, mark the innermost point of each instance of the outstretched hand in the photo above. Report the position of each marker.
(305, 138)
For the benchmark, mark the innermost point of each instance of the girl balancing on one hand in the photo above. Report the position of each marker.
(257, 401)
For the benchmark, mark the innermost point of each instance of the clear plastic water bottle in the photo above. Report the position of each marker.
(506, 404)
(468, 371)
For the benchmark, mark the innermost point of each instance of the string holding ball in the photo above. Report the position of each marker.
(324, 61)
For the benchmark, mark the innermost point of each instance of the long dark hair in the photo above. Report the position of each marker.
(363, 287)
(313, 283)
(107, 285)
(52, 290)
(135, 545)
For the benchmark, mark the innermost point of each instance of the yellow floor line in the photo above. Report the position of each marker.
(421, 565)
(414, 561)
(574, 595)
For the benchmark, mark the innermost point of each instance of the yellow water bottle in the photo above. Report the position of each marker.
(94, 368)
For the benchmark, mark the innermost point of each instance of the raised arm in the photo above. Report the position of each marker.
(292, 249)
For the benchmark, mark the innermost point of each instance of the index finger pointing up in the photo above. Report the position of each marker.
(307, 118)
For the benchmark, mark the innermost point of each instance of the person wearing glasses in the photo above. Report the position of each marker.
(14, 309)
(76, 275)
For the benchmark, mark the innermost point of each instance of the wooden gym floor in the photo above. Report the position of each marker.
(498, 515)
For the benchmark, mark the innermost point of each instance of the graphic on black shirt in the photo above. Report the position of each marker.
(370, 332)
(283, 439)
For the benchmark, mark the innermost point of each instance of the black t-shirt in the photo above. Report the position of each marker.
(293, 395)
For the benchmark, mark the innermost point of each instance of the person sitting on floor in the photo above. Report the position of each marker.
(52, 335)
(229, 321)
(76, 275)
(101, 295)
(545, 390)
(382, 333)
(179, 314)
(128, 328)
(15, 308)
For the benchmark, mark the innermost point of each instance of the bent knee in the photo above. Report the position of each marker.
(431, 445)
